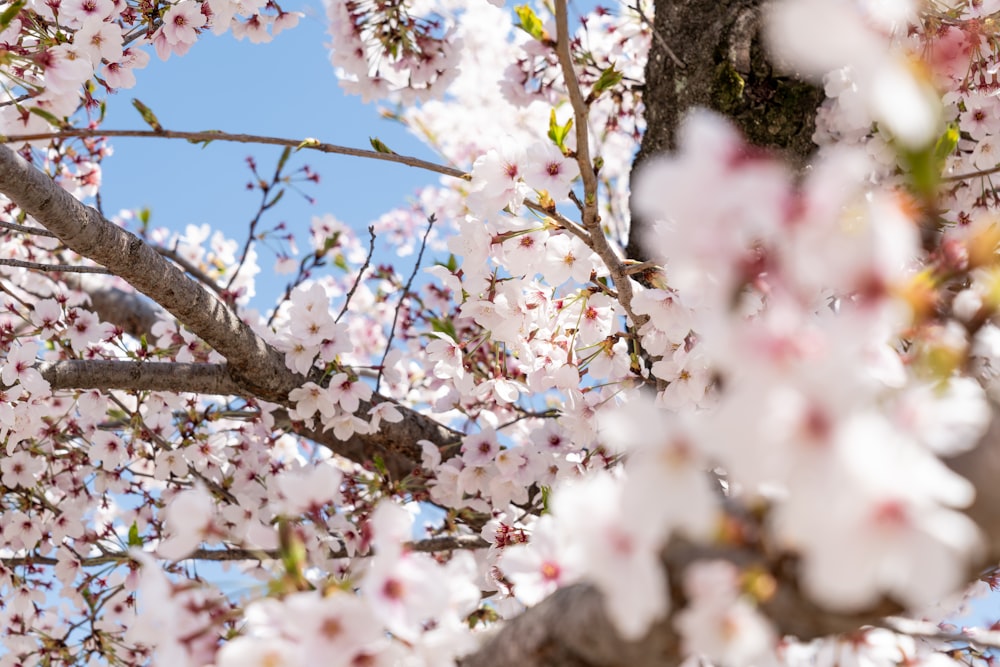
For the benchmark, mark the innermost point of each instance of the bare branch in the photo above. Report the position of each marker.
(402, 298)
(564, 222)
(656, 35)
(215, 135)
(55, 268)
(429, 545)
(86, 232)
(396, 443)
(130, 311)
(581, 118)
(976, 637)
(24, 229)
(361, 272)
(141, 376)
(979, 173)
(571, 629)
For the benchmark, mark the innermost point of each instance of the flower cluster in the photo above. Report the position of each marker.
(383, 48)
(765, 404)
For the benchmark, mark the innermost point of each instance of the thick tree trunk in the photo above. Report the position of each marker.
(709, 53)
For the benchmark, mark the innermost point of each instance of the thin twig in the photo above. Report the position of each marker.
(659, 38)
(527, 414)
(364, 267)
(429, 545)
(604, 288)
(24, 229)
(581, 117)
(299, 278)
(402, 298)
(215, 135)
(264, 206)
(928, 630)
(640, 267)
(564, 222)
(126, 375)
(591, 220)
(17, 100)
(64, 268)
(972, 174)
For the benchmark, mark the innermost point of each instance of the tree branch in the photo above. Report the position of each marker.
(581, 117)
(53, 268)
(981, 466)
(253, 365)
(130, 311)
(571, 628)
(207, 136)
(396, 443)
(142, 376)
(596, 239)
(429, 545)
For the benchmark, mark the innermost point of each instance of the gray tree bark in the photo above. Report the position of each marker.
(722, 66)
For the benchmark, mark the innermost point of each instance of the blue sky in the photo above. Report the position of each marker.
(286, 88)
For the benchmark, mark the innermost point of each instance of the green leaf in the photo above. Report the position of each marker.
(946, 144)
(447, 327)
(557, 132)
(451, 264)
(275, 199)
(341, 262)
(284, 158)
(293, 557)
(380, 464)
(49, 117)
(133, 535)
(147, 115)
(204, 142)
(923, 166)
(530, 23)
(609, 78)
(330, 242)
(379, 146)
(11, 13)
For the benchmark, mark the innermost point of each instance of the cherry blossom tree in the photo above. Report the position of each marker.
(689, 356)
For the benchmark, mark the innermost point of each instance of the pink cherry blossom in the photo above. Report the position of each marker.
(310, 490)
(537, 569)
(189, 520)
(180, 28)
(20, 367)
(21, 469)
(348, 392)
